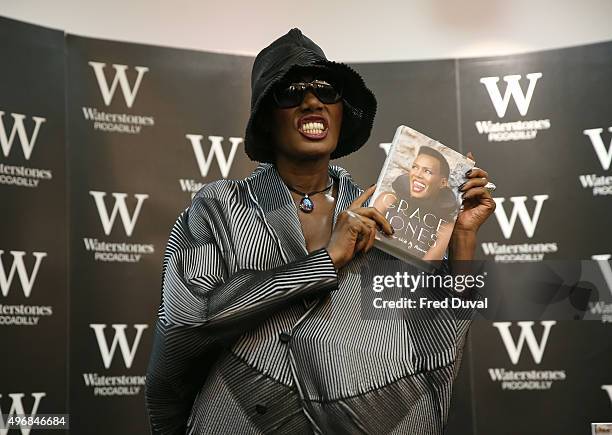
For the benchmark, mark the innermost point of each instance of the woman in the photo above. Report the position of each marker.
(421, 207)
(260, 328)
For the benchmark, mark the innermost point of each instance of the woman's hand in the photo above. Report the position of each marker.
(478, 204)
(355, 230)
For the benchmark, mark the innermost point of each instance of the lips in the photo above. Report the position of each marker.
(417, 186)
(313, 127)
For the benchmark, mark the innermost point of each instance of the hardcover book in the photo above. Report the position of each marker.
(418, 192)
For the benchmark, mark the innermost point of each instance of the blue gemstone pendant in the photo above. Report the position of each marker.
(306, 204)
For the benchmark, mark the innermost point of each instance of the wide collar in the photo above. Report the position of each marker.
(280, 213)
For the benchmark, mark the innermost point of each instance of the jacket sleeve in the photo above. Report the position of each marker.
(201, 307)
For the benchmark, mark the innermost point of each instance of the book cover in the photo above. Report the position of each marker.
(417, 191)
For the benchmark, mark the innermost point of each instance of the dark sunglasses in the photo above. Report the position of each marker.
(292, 95)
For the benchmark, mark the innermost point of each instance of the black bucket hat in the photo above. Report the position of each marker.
(296, 51)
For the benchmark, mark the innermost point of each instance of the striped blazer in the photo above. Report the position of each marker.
(255, 335)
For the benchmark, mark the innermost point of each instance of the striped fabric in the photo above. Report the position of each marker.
(255, 335)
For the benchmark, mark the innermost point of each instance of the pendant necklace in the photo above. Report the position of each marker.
(306, 204)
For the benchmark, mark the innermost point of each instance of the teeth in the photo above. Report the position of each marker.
(313, 127)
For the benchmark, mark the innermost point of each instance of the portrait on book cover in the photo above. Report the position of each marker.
(418, 193)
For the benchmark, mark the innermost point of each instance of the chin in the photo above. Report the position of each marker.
(314, 150)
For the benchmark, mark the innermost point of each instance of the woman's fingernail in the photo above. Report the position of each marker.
(461, 186)
(467, 174)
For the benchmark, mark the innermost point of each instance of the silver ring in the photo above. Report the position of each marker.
(490, 187)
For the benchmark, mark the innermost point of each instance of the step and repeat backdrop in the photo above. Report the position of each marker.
(104, 144)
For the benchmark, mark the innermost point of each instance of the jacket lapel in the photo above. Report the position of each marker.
(347, 190)
(280, 213)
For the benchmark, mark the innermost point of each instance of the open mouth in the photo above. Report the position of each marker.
(417, 186)
(313, 127)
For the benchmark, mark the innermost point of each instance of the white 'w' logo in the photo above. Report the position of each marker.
(129, 222)
(513, 89)
(129, 94)
(608, 389)
(120, 339)
(225, 164)
(18, 266)
(27, 144)
(518, 210)
(18, 410)
(605, 156)
(604, 266)
(514, 349)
